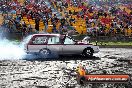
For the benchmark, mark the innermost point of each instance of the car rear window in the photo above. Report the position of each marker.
(40, 40)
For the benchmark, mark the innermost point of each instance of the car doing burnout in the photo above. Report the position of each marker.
(46, 44)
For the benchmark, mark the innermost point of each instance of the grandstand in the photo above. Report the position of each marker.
(100, 22)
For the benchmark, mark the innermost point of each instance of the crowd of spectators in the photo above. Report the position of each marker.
(102, 17)
(108, 17)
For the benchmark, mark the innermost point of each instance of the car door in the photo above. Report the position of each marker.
(70, 47)
(54, 44)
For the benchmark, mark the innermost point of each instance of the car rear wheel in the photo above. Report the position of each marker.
(44, 52)
(88, 52)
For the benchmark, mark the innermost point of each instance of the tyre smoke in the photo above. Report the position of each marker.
(10, 50)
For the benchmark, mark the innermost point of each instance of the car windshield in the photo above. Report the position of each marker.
(69, 40)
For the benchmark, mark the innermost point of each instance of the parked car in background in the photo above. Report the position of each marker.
(47, 44)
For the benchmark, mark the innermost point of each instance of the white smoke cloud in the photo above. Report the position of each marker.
(10, 50)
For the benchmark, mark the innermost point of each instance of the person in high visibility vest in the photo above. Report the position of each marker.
(81, 71)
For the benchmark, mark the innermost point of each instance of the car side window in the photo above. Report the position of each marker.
(54, 40)
(68, 41)
(40, 40)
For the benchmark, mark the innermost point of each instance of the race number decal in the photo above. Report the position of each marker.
(40, 40)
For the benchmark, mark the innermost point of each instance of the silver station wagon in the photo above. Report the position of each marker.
(47, 44)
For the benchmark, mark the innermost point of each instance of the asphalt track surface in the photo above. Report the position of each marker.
(33, 72)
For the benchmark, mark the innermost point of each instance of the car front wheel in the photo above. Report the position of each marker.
(88, 52)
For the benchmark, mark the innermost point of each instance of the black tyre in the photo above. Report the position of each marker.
(82, 81)
(44, 52)
(88, 52)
